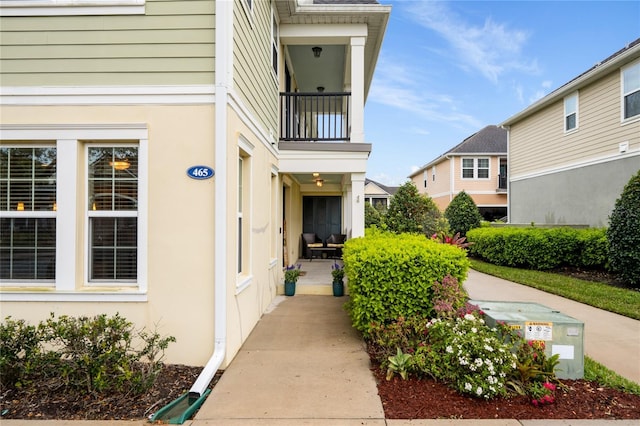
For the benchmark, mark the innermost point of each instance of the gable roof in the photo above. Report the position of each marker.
(623, 56)
(391, 190)
(490, 140)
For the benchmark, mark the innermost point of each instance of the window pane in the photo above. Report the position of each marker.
(632, 105)
(113, 178)
(114, 248)
(631, 79)
(27, 249)
(483, 163)
(483, 173)
(467, 173)
(570, 122)
(27, 179)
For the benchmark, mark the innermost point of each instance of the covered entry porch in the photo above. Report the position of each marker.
(316, 277)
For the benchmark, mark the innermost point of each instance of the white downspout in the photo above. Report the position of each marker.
(223, 31)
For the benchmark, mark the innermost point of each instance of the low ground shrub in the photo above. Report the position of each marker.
(391, 276)
(91, 355)
(540, 248)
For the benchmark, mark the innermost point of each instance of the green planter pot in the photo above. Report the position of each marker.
(289, 288)
(338, 288)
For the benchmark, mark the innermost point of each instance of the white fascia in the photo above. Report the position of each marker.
(302, 34)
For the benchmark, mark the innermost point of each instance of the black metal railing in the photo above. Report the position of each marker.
(502, 181)
(308, 117)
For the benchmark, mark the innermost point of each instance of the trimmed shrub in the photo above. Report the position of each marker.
(624, 233)
(540, 248)
(462, 214)
(390, 276)
(91, 355)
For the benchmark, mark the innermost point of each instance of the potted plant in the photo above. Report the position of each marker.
(337, 271)
(291, 275)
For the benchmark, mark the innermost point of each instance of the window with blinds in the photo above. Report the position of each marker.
(28, 207)
(113, 213)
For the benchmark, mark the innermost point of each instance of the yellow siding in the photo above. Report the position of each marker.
(254, 78)
(172, 43)
(539, 142)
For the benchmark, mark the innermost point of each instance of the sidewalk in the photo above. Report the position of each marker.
(304, 364)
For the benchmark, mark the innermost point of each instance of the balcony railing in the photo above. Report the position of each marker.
(310, 117)
(502, 182)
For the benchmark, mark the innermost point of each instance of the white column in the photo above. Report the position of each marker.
(348, 209)
(66, 203)
(357, 89)
(357, 205)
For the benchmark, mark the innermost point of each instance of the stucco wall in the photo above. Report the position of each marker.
(584, 195)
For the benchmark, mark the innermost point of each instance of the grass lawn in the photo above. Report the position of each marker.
(613, 299)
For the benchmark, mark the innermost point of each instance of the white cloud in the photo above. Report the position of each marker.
(491, 49)
(395, 85)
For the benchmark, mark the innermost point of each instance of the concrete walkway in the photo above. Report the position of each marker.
(304, 364)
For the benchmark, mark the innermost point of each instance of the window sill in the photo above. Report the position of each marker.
(73, 296)
(71, 7)
(243, 282)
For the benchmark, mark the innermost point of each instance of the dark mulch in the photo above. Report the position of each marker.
(42, 402)
(428, 399)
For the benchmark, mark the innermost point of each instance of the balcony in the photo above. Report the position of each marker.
(502, 183)
(315, 117)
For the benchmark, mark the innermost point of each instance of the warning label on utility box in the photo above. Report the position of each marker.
(538, 330)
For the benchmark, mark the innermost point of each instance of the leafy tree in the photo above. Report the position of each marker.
(462, 214)
(624, 233)
(372, 216)
(410, 211)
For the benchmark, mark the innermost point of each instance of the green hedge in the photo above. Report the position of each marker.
(390, 275)
(540, 248)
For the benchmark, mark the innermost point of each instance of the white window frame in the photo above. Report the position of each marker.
(433, 173)
(89, 214)
(633, 67)
(32, 214)
(275, 44)
(568, 111)
(425, 177)
(71, 7)
(244, 208)
(475, 168)
(68, 139)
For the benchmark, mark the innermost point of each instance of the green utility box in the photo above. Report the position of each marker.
(561, 334)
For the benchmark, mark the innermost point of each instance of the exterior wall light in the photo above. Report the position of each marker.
(317, 50)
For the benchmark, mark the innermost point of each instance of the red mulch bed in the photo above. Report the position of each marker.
(428, 399)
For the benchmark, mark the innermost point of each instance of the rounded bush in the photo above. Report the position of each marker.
(462, 214)
(624, 234)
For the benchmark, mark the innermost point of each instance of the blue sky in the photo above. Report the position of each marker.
(449, 68)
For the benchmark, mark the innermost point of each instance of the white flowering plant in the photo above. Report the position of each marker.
(468, 355)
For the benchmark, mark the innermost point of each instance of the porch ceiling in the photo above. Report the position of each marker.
(327, 178)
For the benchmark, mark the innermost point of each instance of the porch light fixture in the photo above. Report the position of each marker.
(20, 206)
(120, 164)
(319, 182)
(316, 174)
(320, 89)
(317, 50)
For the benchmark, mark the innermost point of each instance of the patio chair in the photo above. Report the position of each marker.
(336, 241)
(309, 241)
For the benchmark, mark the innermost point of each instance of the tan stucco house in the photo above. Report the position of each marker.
(162, 159)
(477, 165)
(378, 194)
(572, 152)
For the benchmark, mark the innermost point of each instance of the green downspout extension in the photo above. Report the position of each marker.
(179, 410)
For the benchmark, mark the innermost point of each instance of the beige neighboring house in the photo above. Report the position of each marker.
(572, 152)
(378, 194)
(478, 166)
(161, 160)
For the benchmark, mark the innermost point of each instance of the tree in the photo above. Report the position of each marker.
(624, 234)
(462, 214)
(409, 211)
(372, 216)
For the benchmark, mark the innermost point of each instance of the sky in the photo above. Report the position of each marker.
(447, 69)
